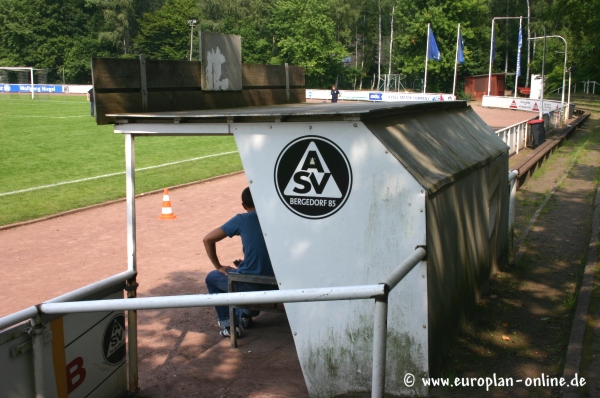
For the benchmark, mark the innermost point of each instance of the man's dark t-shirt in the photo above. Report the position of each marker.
(256, 257)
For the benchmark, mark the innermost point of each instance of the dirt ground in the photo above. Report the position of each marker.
(520, 329)
(181, 353)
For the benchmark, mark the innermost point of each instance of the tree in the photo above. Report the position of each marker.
(165, 33)
(305, 36)
(44, 34)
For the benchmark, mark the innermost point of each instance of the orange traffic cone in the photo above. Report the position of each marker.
(167, 213)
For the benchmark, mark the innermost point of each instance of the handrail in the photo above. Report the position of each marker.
(515, 136)
(210, 300)
(380, 320)
(78, 294)
(379, 292)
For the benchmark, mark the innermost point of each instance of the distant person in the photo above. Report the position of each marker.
(256, 261)
(90, 98)
(335, 93)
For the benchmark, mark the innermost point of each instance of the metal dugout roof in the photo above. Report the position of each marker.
(437, 142)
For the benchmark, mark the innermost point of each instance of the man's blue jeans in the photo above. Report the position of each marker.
(216, 283)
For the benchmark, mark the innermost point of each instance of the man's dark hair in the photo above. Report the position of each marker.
(247, 198)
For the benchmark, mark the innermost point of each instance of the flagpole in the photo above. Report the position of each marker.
(456, 58)
(491, 60)
(518, 58)
(426, 59)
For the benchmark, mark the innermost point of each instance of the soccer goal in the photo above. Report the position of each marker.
(21, 75)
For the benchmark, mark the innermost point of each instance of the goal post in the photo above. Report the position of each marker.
(20, 69)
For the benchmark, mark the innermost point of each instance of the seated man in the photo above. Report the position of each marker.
(256, 261)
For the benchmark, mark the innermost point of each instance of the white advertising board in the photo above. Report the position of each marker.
(523, 104)
(351, 95)
(94, 345)
(337, 209)
(83, 356)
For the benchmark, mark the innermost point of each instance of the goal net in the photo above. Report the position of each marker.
(19, 80)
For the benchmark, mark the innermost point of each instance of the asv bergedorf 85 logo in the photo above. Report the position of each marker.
(313, 177)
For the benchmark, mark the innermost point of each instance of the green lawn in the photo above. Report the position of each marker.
(54, 140)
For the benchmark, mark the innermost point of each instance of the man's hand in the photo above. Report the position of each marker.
(224, 269)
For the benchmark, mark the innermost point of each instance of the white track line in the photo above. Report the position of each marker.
(45, 117)
(114, 174)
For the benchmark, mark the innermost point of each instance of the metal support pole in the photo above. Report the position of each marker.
(569, 95)
(543, 77)
(512, 179)
(491, 59)
(287, 83)
(130, 193)
(32, 89)
(379, 347)
(131, 289)
(456, 60)
(131, 286)
(191, 42)
(37, 344)
(426, 59)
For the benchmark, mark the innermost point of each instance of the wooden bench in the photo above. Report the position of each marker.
(265, 280)
(524, 91)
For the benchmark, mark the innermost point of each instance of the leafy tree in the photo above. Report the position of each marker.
(584, 43)
(116, 32)
(43, 34)
(305, 36)
(247, 18)
(165, 33)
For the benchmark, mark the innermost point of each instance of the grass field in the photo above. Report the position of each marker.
(53, 141)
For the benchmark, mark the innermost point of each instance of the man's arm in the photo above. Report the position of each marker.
(210, 241)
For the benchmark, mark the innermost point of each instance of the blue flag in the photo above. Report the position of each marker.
(519, 52)
(461, 48)
(433, 52)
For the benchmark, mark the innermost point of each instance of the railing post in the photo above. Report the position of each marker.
(512, 178)
(132, 346)
(379, 347)
(37, 344)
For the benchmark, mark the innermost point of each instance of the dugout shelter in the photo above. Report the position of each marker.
(344, 193)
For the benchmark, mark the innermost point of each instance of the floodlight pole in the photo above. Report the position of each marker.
(562, 101)
(541, 116)
(192, 22)
(492, 49)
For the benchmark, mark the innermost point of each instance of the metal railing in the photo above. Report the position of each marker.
(516, 136)
(33, 311)
(586, 87)
(61, 305)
